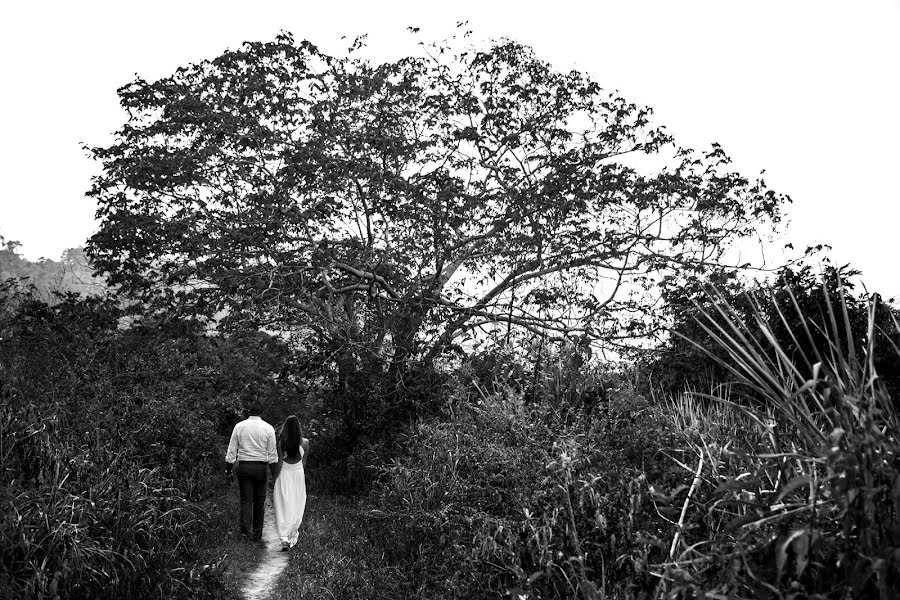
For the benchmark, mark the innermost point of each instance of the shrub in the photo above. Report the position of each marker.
(107, 436)
(781, 483)
(511, 498)
(80, 518)
(691, 358)
(800, 499)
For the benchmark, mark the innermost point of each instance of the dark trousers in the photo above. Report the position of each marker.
(251, 478)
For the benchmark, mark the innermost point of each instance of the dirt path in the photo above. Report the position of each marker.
(336, 558)
(261, 581)
(248, 570)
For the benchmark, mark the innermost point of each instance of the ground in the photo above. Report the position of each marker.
(334, 557)
(223, 545)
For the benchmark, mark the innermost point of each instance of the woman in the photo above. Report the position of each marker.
(290, 486)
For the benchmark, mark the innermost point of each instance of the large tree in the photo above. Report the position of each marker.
(388, 209)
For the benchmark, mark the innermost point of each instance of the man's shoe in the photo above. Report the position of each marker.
(285, 546)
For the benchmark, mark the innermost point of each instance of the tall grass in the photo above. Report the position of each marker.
(107, 439)
(80, 519)
(784, 483)
(514, 499)
(803, 499)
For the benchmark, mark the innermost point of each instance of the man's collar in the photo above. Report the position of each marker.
(254, 417)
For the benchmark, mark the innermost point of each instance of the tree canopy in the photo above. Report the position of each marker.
(391, 209)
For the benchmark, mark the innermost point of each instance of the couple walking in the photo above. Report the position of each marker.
(253, 446)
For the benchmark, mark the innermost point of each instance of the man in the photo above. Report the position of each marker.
(252, 445)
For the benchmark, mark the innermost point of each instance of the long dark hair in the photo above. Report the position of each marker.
(291, 436)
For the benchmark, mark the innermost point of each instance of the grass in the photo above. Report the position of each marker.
(335, 556)
(804, 496)
(783, 484)
(222, 545)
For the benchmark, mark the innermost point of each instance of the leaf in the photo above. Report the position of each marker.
(800, 546)
(792, 485)
(737, 485)
(739, 522)
(782, 547)
(664, 498)
(588, 589)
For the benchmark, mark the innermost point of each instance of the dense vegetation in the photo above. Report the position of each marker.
(404, 255)
(386, 214)
(782, 482)
(109, 436)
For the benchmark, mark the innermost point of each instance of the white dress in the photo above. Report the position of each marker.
(290, 500)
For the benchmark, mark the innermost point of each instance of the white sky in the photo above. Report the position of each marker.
(808, 90)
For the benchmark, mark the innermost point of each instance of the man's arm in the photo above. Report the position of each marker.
(231, 453)
(305, 444)
(272, 452)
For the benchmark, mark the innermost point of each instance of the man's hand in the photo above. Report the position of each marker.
(274, 469)
(229, 474)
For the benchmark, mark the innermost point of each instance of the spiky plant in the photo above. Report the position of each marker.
(813, 509)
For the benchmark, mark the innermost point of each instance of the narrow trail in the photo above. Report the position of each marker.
(335, 558)
(261, 582)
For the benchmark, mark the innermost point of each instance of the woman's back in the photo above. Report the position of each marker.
(289, 493)
(291, 443)
(293, 455)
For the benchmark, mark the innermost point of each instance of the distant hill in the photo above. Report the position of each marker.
(72, 273)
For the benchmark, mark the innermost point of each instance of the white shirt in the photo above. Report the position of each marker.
(252, 439)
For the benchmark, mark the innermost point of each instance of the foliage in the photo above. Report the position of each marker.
(82, 518)
(384, 211)
(806, 507)
(110, 434)
(531, 500)
(692, 359)
(337, 555)
(784, 485)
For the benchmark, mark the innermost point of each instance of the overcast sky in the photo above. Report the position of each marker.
(807, 90)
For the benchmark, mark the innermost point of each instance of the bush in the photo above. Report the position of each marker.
(108, 435)
(784, 483)
(511, 498)
(691, 358)
(800, 498)
(80, 518)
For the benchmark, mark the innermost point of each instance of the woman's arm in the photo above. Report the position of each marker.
(304, 443)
